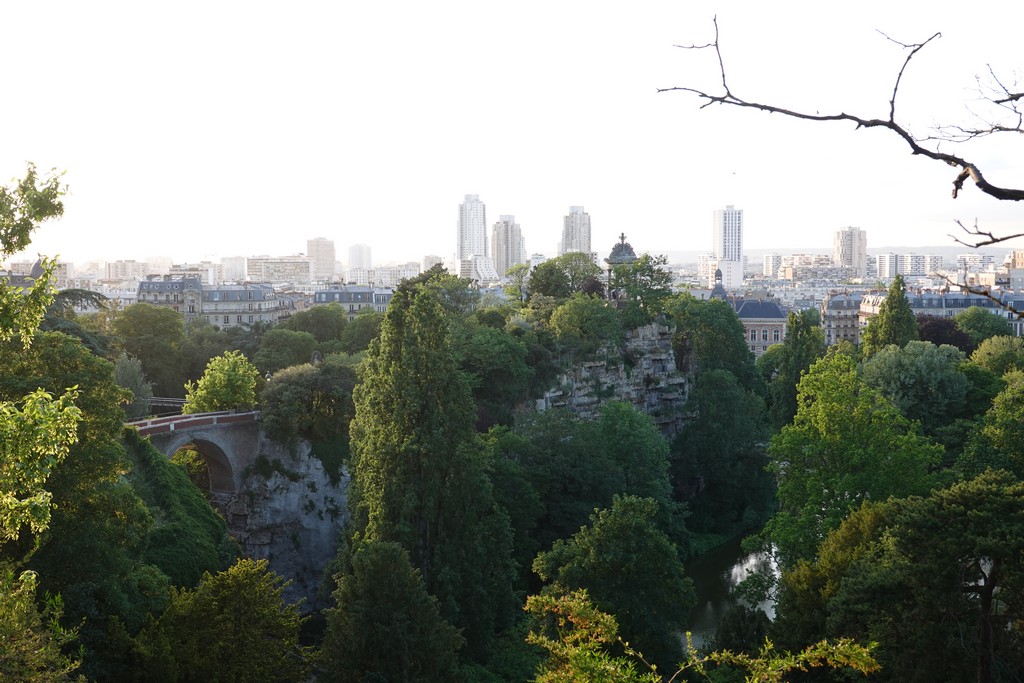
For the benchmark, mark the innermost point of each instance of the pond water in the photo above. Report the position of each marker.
(715, 575)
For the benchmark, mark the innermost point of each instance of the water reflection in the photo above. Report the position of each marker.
(715, 575)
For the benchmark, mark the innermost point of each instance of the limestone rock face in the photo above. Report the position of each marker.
(644, 375)
(290, 513)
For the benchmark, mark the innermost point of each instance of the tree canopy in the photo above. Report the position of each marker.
(894, 324)
(229, 383)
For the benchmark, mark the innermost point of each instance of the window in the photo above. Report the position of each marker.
(227, 319)
(753, 336)
(776, 334)
(238, 319)
(764, 334)
(250, 318)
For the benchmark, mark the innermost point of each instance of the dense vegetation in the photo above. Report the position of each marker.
(884, 480)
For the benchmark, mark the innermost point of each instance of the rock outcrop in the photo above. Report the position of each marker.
(290, 513)
(643, 373)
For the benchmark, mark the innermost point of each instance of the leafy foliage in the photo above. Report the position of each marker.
(129, 375)
(34, 438)
(23, 207)
(980, 324)
(382, 600)
(1000, 354)
(718, 459)
(229, 383)
(154, 335)
(417, 478)
(281, 348)
(583, 323)
(563, 276)
(847, 443)
(644, 286)
(581, 642)
(235, 626)
(804, 344)
(710, 336)
(922, 380)
(631, 570)
(894, 324)
(935, 581)
(31, 642)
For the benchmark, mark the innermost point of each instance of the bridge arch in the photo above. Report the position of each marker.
(228, 442)
(222, 476)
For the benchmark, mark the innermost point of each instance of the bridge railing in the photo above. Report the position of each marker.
(174, 423)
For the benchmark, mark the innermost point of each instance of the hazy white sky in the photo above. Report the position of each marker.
(202, 129)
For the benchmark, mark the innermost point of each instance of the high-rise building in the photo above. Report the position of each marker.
(850, 250)
(321, 250)
(727, 233)
(771, 264)
(471, 239)
(507, 244)
(888, 266)
(234, 268)
(575, 231)
(359, 257)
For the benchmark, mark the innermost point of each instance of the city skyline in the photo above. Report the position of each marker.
(229, 127)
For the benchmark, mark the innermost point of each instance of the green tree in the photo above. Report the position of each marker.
(281, 348)
(847, 443)
(935, 581)
(567, 474)
(584, 323)
(325, 323)
(154, 335)
(804, 344)
(999, 442)
(922, 380)
(495, 363)
(518, 279)
(23, 207)
(718, 459)
(894, 324)
(312, 402)
(129, 375)
(646, 284)
(202, 343)
(235, 626)
(564, 275)
(385, 625)
(229, 383)
(631, 570)
(980, 324)
(30, 641)
(710, 336)
(361, 330)
(583, 644)
(417, 471)
(1000, 354)
(35, 437)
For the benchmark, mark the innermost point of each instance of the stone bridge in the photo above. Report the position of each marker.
(228, 442)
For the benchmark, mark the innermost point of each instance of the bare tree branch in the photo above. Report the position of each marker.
(982, 291)
(987, 237)
(967, 168)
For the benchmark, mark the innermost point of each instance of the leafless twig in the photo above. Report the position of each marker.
(967, 168)
(982, 291)
(987, 238)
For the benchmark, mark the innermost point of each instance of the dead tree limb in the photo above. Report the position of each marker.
(968, 169)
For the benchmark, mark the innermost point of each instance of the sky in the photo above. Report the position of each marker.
(198, 130)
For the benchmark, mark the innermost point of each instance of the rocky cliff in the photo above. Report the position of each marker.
(642, 373)
(289, 513)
